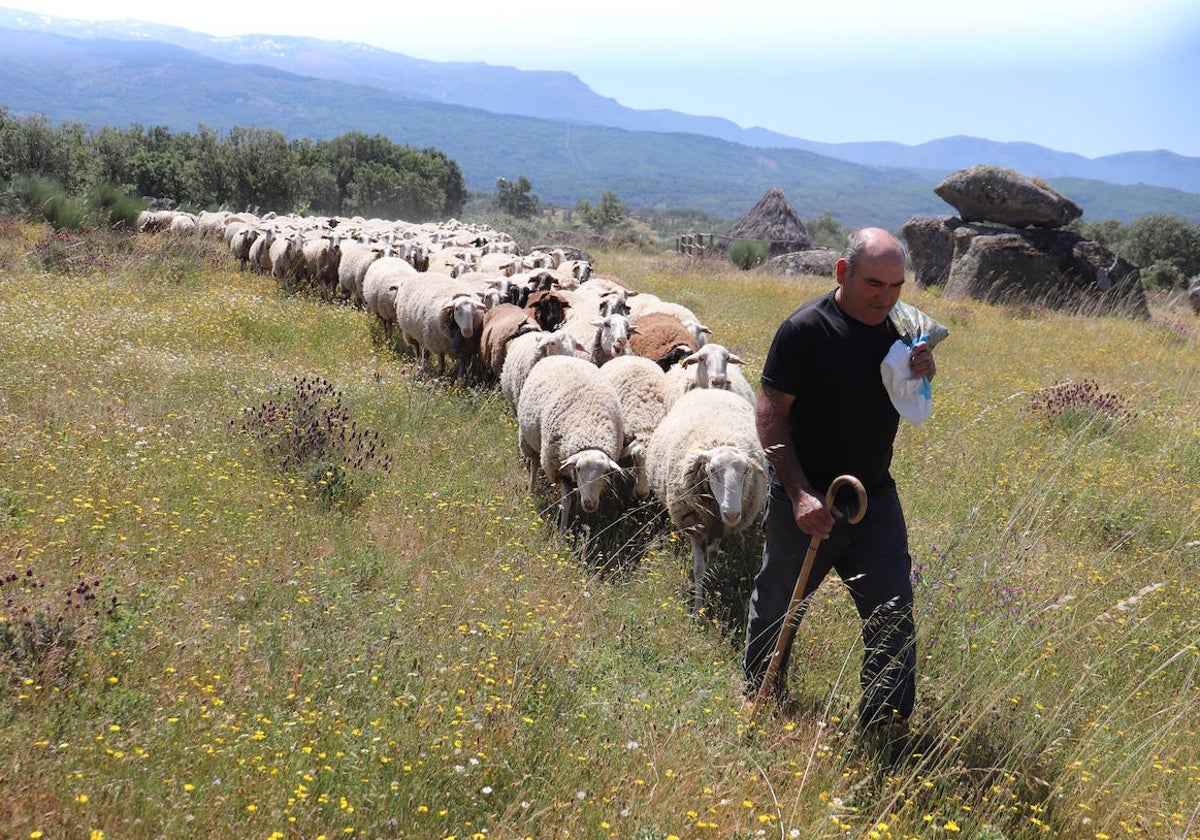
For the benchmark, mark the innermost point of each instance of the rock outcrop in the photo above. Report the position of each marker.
(930, 246)
(1056, 268)
(986, 193)
(817, 262)
(1007, 246)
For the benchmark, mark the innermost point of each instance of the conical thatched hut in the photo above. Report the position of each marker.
(772, 220)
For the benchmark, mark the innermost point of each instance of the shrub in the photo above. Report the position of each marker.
(747, 253)
(115, 207)
(40, 633)
(1163, 275)
(305, 429)
(1075, 405)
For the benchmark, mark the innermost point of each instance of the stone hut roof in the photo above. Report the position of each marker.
(773, 220)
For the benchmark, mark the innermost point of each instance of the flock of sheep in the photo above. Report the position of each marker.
(613, 390)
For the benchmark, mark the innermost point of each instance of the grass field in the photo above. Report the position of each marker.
(202, 638)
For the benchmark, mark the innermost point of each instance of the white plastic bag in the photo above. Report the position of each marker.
(912, 396)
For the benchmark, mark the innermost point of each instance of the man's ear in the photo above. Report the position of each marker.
(840, 271)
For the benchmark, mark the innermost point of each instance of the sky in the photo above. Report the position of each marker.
(1094, 77)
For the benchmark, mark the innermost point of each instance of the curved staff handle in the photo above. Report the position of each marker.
(791, 618)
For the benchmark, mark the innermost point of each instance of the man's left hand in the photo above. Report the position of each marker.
(920, 361)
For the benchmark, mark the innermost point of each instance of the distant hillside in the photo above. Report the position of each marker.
(102, 81)
(562, 96)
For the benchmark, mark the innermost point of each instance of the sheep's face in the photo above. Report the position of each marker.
(727, 468)
(558, 343)
(712, 366)
(614, 335)
(588, 470)
(467, 313)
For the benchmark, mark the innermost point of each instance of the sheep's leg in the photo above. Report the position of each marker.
(533, 469)
(566, 495)
(700, 556)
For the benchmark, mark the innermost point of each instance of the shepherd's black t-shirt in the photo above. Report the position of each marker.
(842, 420)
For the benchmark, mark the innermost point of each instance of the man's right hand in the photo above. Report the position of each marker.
(811, 515)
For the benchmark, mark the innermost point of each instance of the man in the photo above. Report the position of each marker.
(823, 411)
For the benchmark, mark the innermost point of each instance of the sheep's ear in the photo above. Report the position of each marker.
(597, 322)
(633, 330)
(448, 306)
(576, 344)
(734, 360)
(693, 359)
(568, 465)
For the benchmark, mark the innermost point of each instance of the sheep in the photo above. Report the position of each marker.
(381, 281)
(548, 308)
(569, 420)
(525, 351)
(240, 243)
(498, 262)
(155, 221)
(440, 315)
(321, 258)
(287, 254)
(662, 338)
(501, 324)
(708, 367)
(211, 223)
(642, 388)
(645, 303)
(183, 224)
(708, 469)
(352, 267)
(604, 338)
(260, 250)
(1194, 295)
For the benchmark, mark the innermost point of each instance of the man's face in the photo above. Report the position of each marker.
(869, 293)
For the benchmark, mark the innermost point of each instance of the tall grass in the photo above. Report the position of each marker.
(434, 661)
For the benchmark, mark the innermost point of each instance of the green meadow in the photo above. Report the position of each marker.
(260, 580)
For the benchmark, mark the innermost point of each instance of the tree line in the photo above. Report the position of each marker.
(43, 166)
(242, 169)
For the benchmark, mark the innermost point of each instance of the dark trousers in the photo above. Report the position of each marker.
(873, 562)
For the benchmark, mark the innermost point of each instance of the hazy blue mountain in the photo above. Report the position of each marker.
(100, 81)
(562, 96)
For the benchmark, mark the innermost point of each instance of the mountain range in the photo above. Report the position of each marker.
(503, 122)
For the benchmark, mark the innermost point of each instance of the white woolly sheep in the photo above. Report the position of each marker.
(352, 267)
(260, 250)
(381, 281)
(645, 303)
(570, 424)
(240, 243)
(708, 469)
(642, 388)
(322, 256)
(183, 224)
(525, 351)
(603, 338)
(708, 367)
(440, 316)
(287, 253)
(211, 223)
